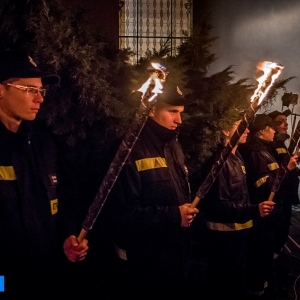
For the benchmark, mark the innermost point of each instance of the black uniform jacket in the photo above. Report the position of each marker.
(262, 167)
(28, 200)
(226, 205)
(151, 186)
(292, 180)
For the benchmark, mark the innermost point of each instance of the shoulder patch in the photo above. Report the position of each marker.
(54, 206)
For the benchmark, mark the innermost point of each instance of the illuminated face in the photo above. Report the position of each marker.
(17, 104)
(168, 116)
(267, 133)
(283, 127)
(243, 137)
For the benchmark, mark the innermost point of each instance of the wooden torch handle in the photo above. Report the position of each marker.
(82, 235)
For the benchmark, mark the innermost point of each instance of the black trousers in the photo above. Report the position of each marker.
(226, 264)
(260, 259)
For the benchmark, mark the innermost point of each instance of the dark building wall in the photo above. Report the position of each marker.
(103, 16)
(200, 9)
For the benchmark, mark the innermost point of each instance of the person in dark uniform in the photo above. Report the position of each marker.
(229, 219)
(291, 195)
(152, 204)
(262, 168)
(31, 251)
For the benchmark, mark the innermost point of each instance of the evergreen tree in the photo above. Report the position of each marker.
(93, 105)
(90, 100)
(219, 98)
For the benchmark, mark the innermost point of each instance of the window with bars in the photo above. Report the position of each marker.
(145, 25)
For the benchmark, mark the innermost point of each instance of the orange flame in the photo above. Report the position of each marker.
(156, 78)
(271, 72)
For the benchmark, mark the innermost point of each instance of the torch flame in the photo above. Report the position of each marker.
(271, 72)
(158, 88)
(155, 79)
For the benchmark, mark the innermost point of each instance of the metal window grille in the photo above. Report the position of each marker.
(145, 25)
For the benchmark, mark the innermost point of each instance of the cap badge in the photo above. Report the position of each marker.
(179, 91)
(32, 62)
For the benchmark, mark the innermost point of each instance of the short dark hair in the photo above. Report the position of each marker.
(261, 121)
(277, 113)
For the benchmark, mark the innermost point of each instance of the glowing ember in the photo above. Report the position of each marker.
(271, 72)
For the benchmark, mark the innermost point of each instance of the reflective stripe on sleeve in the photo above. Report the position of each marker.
(273, 166)
(281, 150)
(261, 181)
(229, 226)
(7, 173)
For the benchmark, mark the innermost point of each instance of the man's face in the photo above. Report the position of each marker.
(17, 104)
(243, 137)
(167, 115)
(267, 134)
(283, 127)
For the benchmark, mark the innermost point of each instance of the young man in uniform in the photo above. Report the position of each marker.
(291, 195)
(30, 253)
(229, 219)
(262, 167)
(152, 197)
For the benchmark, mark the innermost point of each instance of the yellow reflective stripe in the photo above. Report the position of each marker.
(7, 173)
(54, 206)
(150, 163)
(229, 226)
(281, 150)
(243, 169)
(273, 166)
(262, 180)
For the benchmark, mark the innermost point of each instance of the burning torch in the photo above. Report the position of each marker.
(150, 89)
(271, 72)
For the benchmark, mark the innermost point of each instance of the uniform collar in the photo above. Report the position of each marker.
(162, 132)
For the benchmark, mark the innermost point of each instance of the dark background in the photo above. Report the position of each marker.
(248, 31)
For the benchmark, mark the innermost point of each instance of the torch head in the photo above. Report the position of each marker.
(158, 89)
(154, 84)
(271, 73)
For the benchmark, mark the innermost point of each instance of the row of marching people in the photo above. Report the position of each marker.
(156, 229)
(141, 244)
(247, 228)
